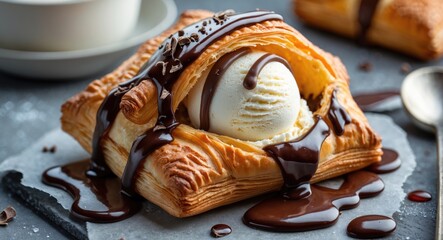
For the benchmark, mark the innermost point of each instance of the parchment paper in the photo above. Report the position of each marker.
(154, 223)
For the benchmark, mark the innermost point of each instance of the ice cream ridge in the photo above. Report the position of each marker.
(226, 108)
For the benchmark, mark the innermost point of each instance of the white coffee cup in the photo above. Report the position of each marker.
(61, 25)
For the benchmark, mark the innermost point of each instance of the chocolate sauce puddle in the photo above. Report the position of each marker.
(389, 162)
(367, 100)
(371, 226)
(300, 206)
(320, 210)
(366, 13)
(107, 204)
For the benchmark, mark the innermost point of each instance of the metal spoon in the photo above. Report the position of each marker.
(422, 95)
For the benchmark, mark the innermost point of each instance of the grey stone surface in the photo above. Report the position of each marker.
(28, 109)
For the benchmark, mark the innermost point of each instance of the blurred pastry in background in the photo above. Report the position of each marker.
(411, 27)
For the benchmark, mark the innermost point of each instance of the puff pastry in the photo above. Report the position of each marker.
(200, 170)
(411, 27)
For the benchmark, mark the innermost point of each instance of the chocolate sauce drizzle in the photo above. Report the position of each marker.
(338, 115)
(109, 204)
(301, 206)
(367, 100)
(220, 67)
(163, 69)
(212, 82)
(298, 159)
(366, 13)
(250, 81)
(371, 226)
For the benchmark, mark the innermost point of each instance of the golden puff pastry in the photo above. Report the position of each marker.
(412, 27)
(200, 170)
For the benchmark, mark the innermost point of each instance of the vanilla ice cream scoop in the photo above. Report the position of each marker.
(249, 109)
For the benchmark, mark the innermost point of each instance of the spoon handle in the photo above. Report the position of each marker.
(439, 222)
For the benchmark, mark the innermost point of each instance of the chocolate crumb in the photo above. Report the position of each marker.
(365, 66)
(53, 149)
(205, 23)
(7, 215)
(202, 30)
(45, 149)
(405, 68)
(210, 29)
(181, 33)
(196, 26)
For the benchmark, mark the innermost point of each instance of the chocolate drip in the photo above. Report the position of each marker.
(371, 226)
(250, 81)
(367, 100)
(212, 82)
(338, 115)
(298, 160)
(366, 13)
(163, 69)
(108, 206)
(321, 209)
(389, 162)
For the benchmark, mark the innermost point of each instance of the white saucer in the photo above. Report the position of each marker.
(155, 16)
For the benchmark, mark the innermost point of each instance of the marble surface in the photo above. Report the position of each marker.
(29, 109)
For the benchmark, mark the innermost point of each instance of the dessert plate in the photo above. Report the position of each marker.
(155, 16)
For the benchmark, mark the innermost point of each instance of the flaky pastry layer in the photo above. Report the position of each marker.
(412, 27)
(200, 170)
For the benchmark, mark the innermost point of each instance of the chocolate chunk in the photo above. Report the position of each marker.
(184, 41)
(7, 215)
(194, 37)
(365, 66)
(205, 23)
(181, 33)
